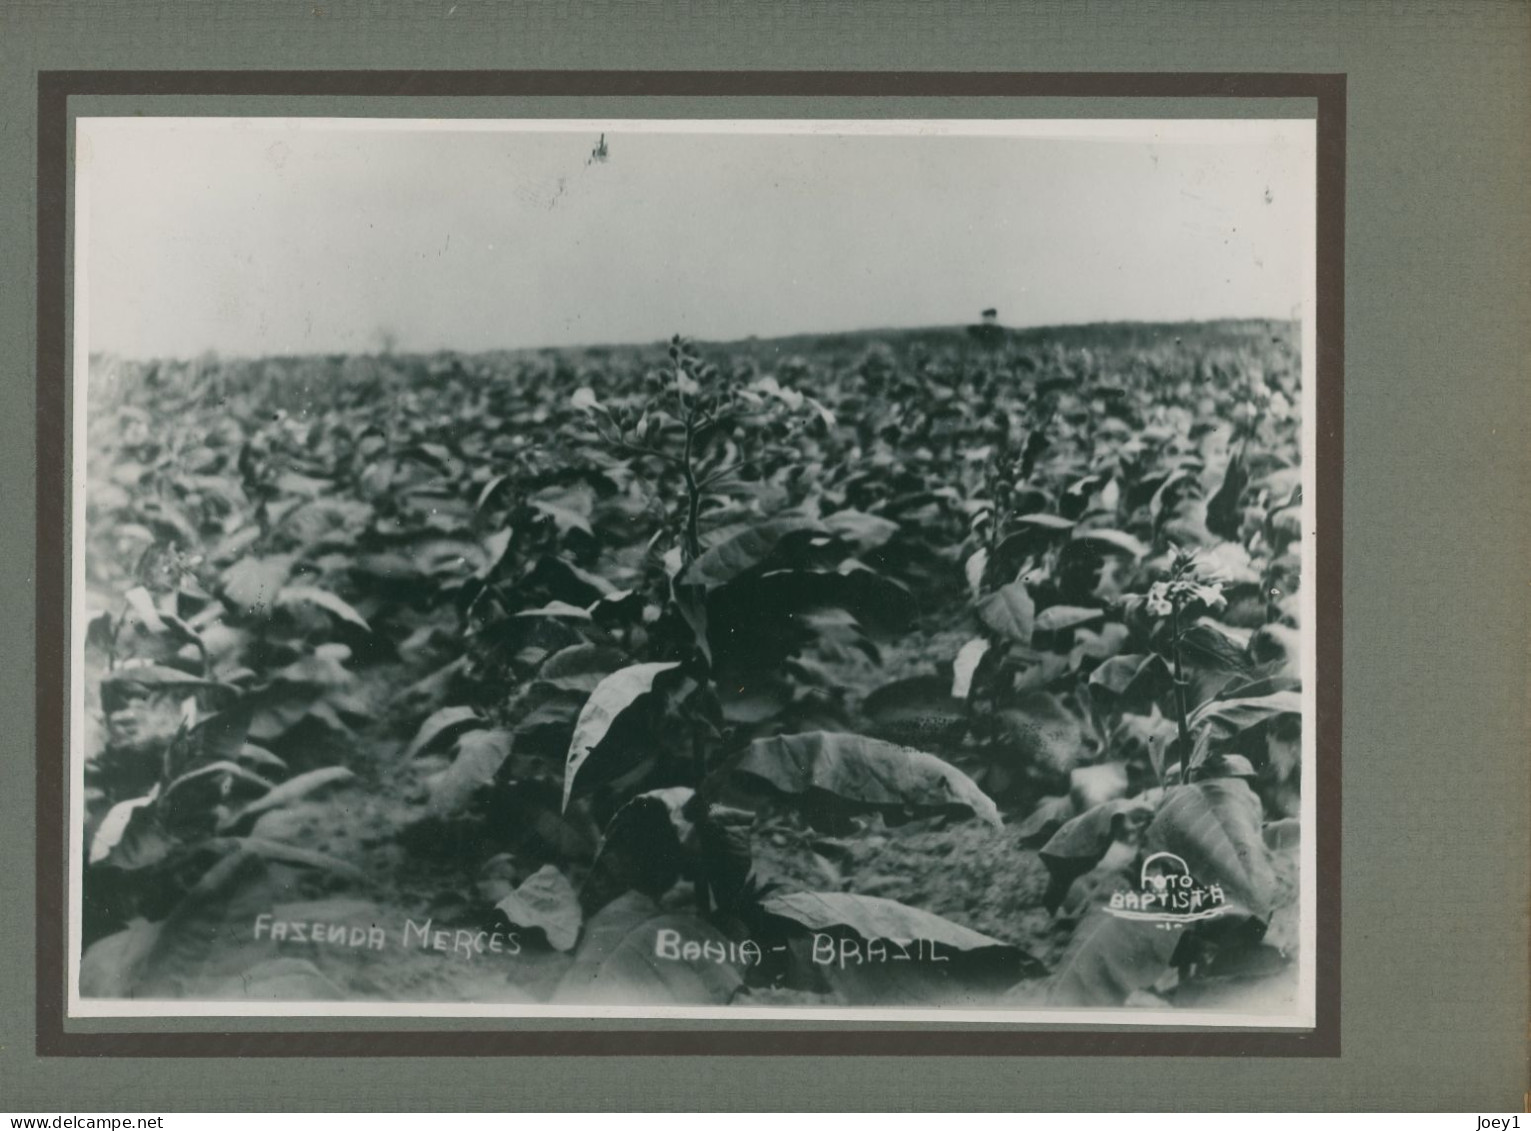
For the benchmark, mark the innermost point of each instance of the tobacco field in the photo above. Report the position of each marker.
(950, 668)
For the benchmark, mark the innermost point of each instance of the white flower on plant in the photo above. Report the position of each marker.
(1187, 585)
(1210, 594)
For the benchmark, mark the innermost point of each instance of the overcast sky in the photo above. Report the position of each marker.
(256, 238)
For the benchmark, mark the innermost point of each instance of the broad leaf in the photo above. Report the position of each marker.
(1240, 714)
(1116, 674)
(563, 517)
(1214, 826)
(745, 550)
(219, 737)
(873, 917)
(1046, 819)
(633, 953)
(280, 979)
(580, 667)
(261, 759)
(547, 901)
(126, 683)
(291, 854)
(1223, 514)
(873, 598)
(724, 856)
(1057, 617)
(1083, 841)
(1087, 836)
(111, 966)
(1139, 736)
(564, 581)
(334, 521)
(1214, 646)
(1112, 541)
(480, 754)
(1039, 732)
(251, 584)
(294, 789)
(1284, 839)
(613, 695)
(1110, 958)
(918, 710)
(557, 609)
(294, 483)
(208, 783)
(1228, 563)
(324, 599)
(445, 723)
(209, 930)
(969, 656)
(115, 824)
(973, 569)
(1284, 835)
(643, 847)
(1102, 645)
(324, 669)
(863, 771)
(1262, 687)
(1043, 522)
(1098, 784)
(550, 724)
(866, 531)
(142, 603)
(1223, 766)
(1009, 611)
(1132, 675)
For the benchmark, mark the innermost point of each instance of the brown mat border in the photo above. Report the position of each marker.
(723, 1037)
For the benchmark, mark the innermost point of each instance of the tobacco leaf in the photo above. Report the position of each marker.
(547, 901)
(613, 695)
(864, 771)
(623, 959)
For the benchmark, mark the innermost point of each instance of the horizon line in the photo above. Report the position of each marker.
(950, 327)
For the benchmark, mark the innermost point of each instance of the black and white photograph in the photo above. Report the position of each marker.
(747, 569)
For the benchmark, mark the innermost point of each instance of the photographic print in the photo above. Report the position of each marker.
(729, 569)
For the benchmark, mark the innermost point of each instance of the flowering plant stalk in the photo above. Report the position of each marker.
(1181, 590)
